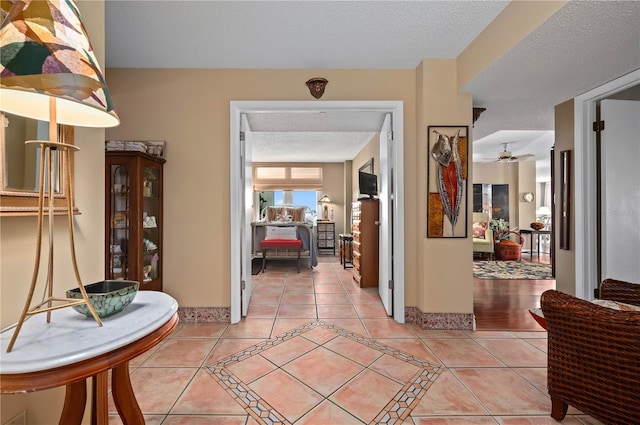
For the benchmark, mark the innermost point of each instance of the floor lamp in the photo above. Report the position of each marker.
(49, 72)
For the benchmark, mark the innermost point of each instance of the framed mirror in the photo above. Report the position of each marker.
(19, 165)
(367, 167)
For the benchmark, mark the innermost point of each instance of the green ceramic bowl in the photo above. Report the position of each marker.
(107, 297)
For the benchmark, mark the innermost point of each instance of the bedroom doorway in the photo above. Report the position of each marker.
(240, 154)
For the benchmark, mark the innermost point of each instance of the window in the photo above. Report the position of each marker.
(303, 198)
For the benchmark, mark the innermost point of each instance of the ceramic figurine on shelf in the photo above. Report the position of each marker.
(154, 266)
(145, 271)
(146, 190)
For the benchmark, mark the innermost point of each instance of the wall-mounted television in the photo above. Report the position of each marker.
(367, 185)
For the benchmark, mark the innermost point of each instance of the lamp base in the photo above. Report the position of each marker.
(47, 157)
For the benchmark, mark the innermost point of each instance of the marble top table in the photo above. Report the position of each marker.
(72, 348)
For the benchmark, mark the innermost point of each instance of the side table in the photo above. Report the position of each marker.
(72, 348)
(346, 249)
(326, 236)
(534, 233)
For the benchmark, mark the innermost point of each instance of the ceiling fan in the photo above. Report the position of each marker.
(507, 156)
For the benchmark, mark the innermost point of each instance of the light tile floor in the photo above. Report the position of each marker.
(317, 349)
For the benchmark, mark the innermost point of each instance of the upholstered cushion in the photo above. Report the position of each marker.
(538, 316)
(274, 213)
(297, 214)
(616, 305)
(285, 214)
(479, 229)
(280, 232)
(280, 243)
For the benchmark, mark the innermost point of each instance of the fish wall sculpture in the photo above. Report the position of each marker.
(448, 175)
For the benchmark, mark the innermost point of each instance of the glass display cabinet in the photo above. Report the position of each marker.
(133, 220)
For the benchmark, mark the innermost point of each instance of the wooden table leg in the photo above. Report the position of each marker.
(74, 401)
(123, 396)
(99, 401)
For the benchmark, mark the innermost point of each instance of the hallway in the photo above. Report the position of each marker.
(316, 349)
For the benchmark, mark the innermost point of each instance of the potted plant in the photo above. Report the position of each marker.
(498, 227)
(505, 248)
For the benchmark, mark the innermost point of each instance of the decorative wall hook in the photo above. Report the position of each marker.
(316, 86)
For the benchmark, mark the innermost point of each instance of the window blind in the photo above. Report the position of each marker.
(289, 176)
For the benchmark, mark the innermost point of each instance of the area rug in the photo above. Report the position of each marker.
(511, 270)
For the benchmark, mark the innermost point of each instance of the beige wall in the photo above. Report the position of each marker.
(370, 150)
(444, 265)
(565, 259)
(333, 187)
(521, 177)
(195, 125)
(526, 183)
(501, 173)
(17, 243)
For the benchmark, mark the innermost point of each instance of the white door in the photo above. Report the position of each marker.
(246, 246)
(385, 286)
(620, 190)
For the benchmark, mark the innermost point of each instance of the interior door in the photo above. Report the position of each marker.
(385, 285)
(619, 189)
(246, 246)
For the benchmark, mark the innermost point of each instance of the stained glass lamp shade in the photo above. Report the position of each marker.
(45, 53)
(48, 72)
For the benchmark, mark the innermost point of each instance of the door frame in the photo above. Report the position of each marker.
(236, 190)
(586, 189)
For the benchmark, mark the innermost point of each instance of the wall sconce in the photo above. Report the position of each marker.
(316, 86)
(50, 73)
(325, 208)
(476, 114)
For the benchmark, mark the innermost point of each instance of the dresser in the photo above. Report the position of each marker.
(365, 216)
(326, 236)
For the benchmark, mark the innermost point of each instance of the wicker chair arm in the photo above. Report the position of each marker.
(593, 357)
(618, 290)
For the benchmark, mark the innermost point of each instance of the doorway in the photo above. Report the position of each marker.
(587, 214)
(240, 154)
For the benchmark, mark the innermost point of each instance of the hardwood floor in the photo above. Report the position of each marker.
(502, 304)
(505, 304)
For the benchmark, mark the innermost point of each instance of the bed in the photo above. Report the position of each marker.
(273, 218)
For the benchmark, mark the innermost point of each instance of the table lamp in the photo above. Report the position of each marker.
(48, 71)
(325, 208)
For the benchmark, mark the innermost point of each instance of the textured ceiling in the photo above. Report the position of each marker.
(273, 135)
(585, 44)
(290, 34)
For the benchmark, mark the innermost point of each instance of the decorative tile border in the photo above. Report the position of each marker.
(396, 411)
(204, 314)
(440, 321)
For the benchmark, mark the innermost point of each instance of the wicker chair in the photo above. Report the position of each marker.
(594, 354)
